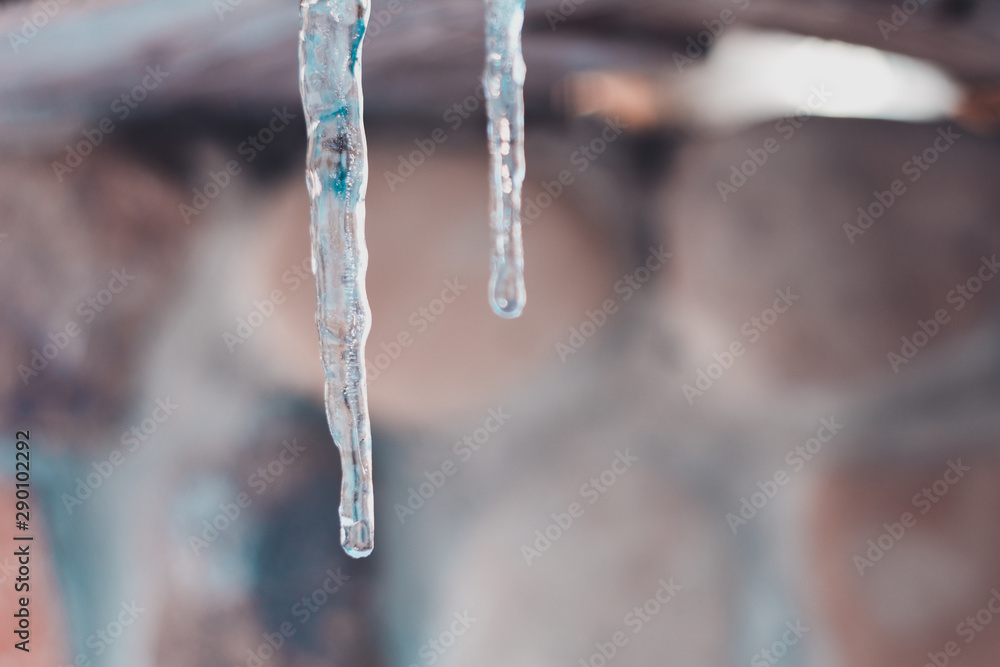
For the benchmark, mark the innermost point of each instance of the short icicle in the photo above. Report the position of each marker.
(337, 175)
(503, 85)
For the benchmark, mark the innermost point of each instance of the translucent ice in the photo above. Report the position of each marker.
(337, 176)
(503, 83)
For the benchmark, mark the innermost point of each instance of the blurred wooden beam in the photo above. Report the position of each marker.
(421, 56)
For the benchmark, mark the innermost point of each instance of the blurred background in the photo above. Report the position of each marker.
(749, 416)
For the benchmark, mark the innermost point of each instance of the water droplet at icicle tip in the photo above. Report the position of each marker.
(503, 85)
(336, 174)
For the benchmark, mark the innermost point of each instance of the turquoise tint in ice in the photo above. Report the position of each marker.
(337, 176)
(503, 83)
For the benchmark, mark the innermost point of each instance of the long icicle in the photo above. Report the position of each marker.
(503, 84)
(337, 177)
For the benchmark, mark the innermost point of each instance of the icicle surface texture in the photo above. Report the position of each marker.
(503, 83)
(337, 176)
